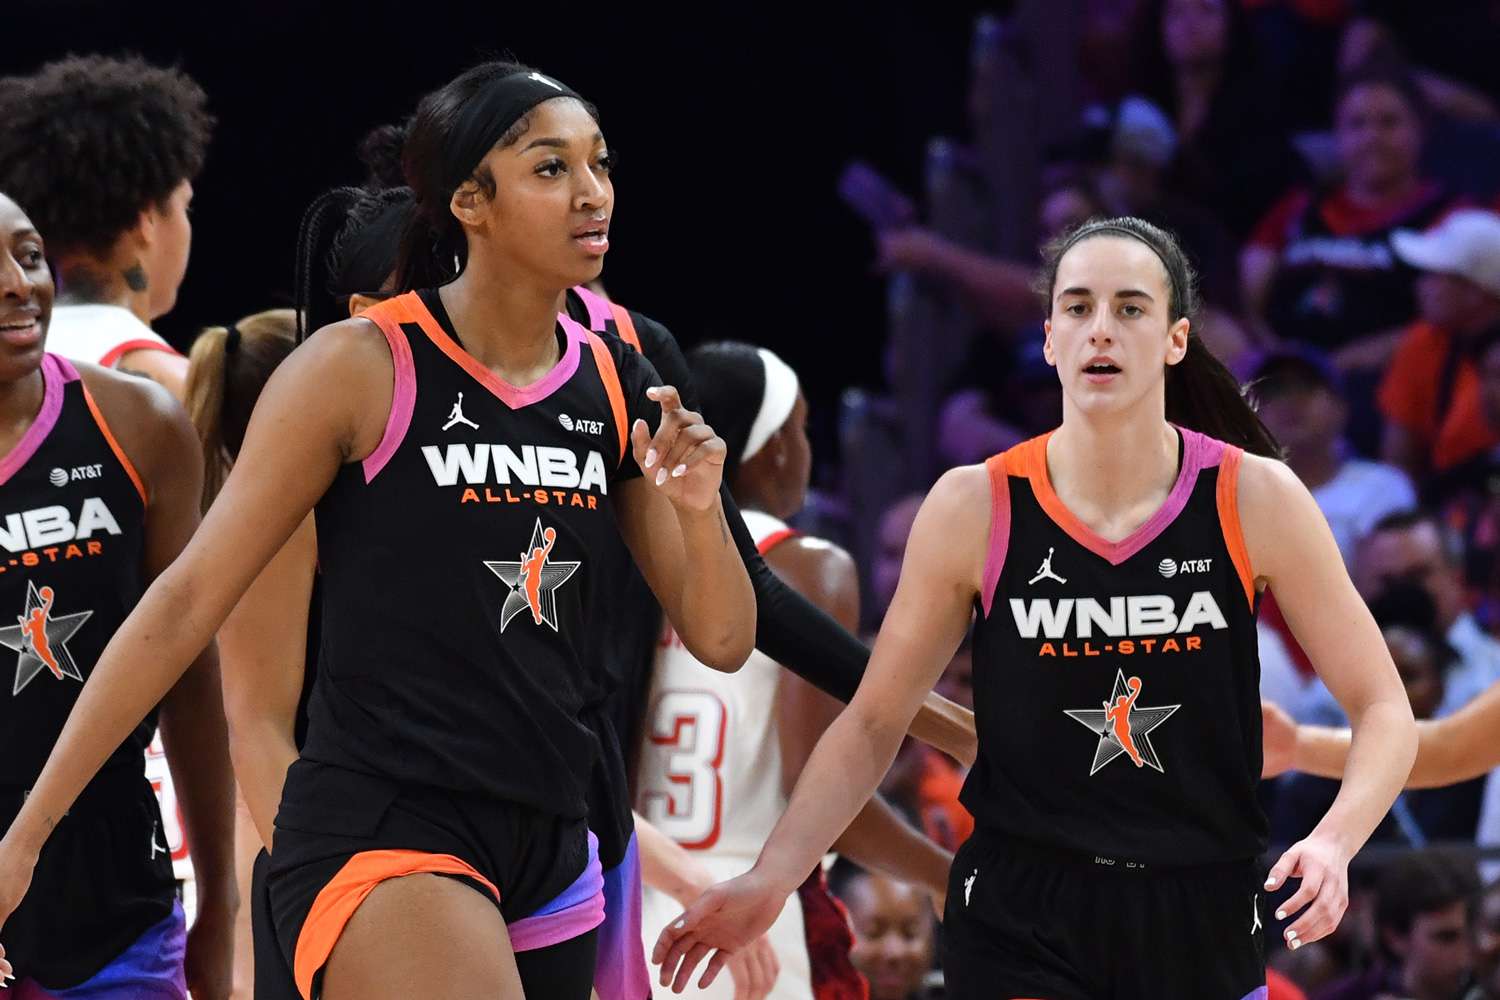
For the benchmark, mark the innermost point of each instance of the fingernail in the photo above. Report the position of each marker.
(1295, 944)
(1291, 935)
(679, 472)
(1270, 882)
(650, 457)
(680, 924)
(661, 477)
(1280, 914)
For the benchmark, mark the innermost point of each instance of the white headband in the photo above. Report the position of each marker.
(775, 405)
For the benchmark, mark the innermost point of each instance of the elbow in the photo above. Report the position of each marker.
(729, 652)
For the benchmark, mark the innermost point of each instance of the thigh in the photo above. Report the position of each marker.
(1016, 927)
(424, 935)
(1199, 936)
(562, 971)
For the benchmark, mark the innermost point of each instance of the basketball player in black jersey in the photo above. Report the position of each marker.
(99, 483)
(360, 266)
(440, 793)
(1124, 545)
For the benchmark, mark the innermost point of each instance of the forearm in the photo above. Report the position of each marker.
(948, 726)
(998, 289)
(1324, 751)
(1381, 753)
(667, 866)
(880, 840)
(262, 750)
(716, 620)
(843, 772)
(197, 744)
(145, 658)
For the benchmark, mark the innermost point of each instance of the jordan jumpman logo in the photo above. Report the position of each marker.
(1045, 572)
(456, 415)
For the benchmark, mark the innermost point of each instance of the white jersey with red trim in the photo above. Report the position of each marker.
(100, 334)
(710, 777)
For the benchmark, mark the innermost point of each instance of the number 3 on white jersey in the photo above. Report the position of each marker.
(689, 727)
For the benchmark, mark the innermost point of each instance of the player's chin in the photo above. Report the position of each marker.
(17, 362)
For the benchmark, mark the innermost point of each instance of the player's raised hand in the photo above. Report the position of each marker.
(721, 923)
(685, 459)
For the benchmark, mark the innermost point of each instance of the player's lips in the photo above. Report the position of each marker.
(1101, 368)
(21, 331)
(593, 236)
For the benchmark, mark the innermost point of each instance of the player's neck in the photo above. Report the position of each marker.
(1111, 462)
(20, 402)
(508, 325)
(87, 280)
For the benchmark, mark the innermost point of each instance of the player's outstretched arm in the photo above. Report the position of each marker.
(878, 838)
(156, 435)
(1455, 748)
(1290, 548)
(300, 435)
(923, 628)
(674, 524)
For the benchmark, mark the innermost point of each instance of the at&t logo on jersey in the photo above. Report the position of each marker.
(1135, 621)
(62, 477)
(1171, 567)
(555, 470)
(580, 424)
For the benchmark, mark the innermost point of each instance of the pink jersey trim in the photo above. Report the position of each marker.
(56, 373)
(1195, 447)
(999, 544)
(597, 306)
(512, 396)
(403, 394)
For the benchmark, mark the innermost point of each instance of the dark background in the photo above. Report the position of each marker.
(732, 123)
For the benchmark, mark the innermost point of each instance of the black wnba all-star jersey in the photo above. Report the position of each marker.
(459, 568)
(72, 514)
(1117, 684)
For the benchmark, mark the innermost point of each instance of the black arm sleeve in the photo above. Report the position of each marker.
(789, 628)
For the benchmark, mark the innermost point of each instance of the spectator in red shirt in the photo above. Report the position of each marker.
(1431, 394)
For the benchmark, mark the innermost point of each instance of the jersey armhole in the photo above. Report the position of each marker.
(1228, 494)
(994, 555)
(775, 538)
(610, 376)
(69, 374)
(388, 315)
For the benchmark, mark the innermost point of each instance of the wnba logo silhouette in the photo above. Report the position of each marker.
(42, 639)
(533, 580)
(1123, 728)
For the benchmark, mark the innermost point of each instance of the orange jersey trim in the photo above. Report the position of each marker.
(625, 326)
(999, 541)
(338, 900)
(114, 444)
(1228, 493)
(608, 374)
(775, 538)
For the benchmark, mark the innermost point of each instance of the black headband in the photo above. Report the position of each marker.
(489, 114)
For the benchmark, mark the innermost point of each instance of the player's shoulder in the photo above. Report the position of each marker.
(129, 401)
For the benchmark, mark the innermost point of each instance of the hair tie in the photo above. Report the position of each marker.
(232, 341)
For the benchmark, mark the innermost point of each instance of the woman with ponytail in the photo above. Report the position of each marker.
(1111, 569)
(467, 449)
